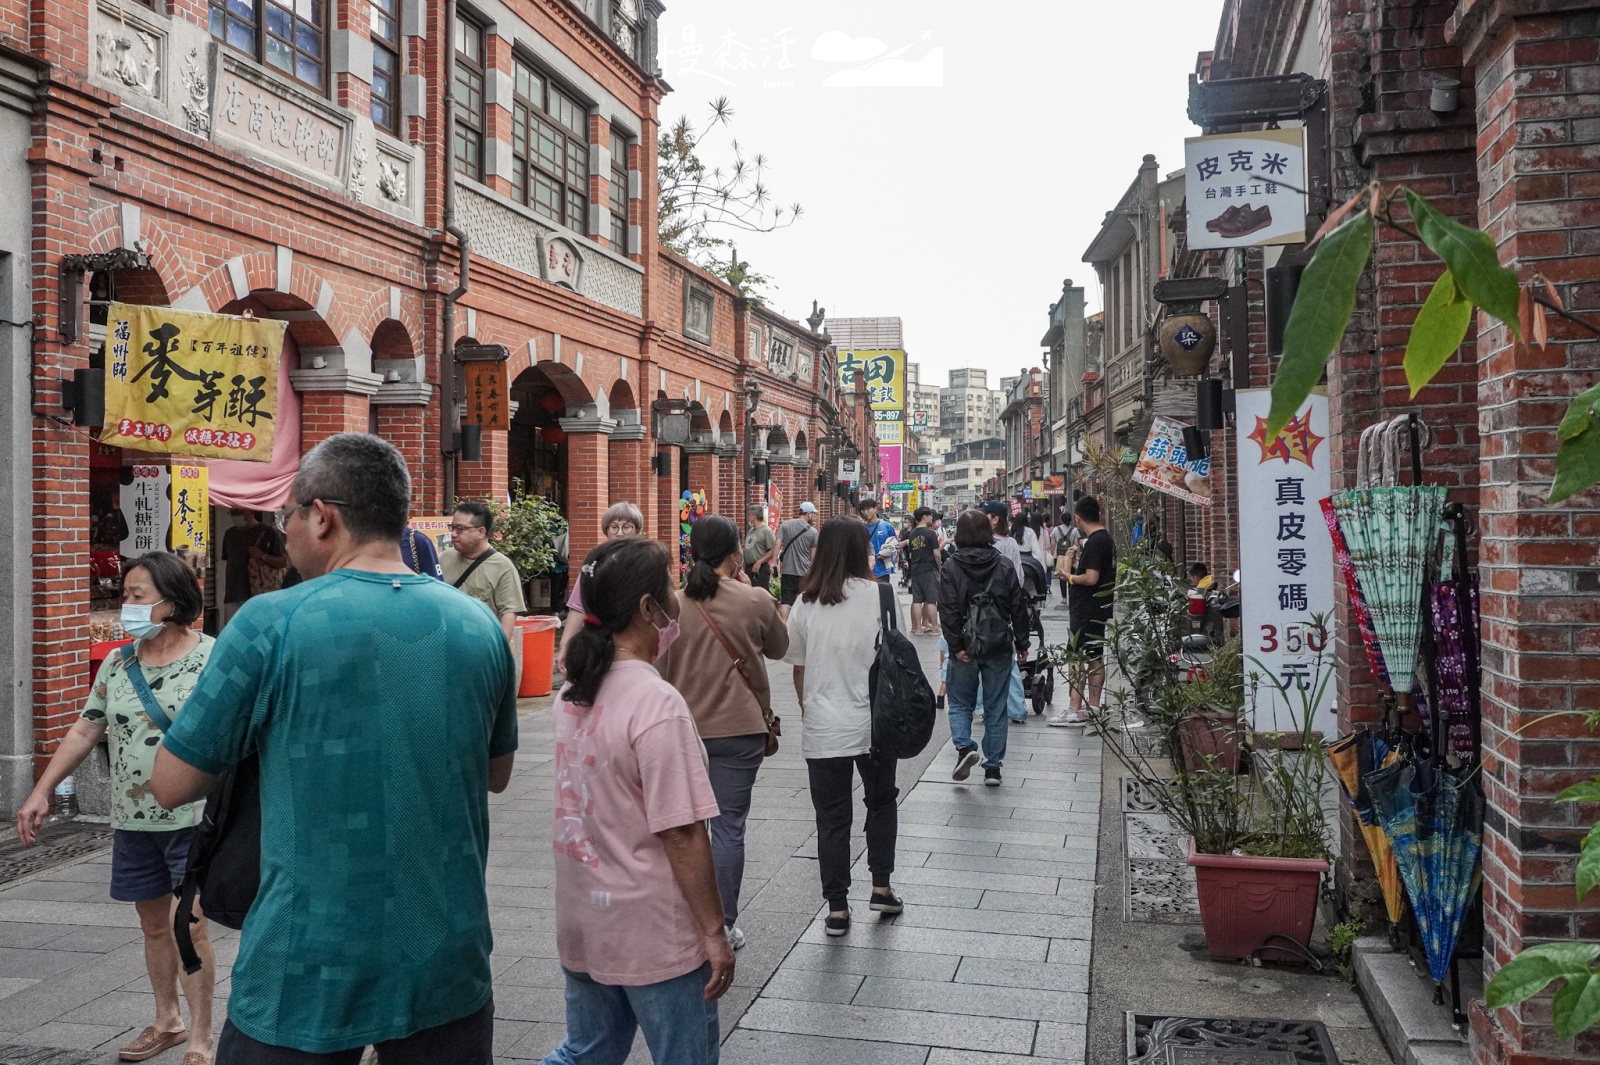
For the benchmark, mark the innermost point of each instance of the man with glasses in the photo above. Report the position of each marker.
(382, 712)
(473, 565)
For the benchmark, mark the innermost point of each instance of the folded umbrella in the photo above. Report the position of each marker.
(1355, 754)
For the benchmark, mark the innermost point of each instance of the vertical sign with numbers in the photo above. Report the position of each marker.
(144, 505)
(1286, 574)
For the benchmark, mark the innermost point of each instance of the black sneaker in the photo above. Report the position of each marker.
(887, 902)
(965, 760)
(991, 776)
(837, 926)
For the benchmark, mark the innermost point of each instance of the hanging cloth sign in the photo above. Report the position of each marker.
(191, 508)
(189, 383)
(144, 506)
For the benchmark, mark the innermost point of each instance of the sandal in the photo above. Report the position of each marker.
(195, 1057)
(148, 1043)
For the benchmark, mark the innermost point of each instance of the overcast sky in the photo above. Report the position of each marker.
(952, 168)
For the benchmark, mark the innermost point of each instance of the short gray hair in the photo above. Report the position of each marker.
(368, 474)
(622, 512)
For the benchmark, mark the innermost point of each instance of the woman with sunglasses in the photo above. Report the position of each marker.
(620, 521)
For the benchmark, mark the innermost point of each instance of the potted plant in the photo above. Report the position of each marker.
(1207, 731)
(525, 531)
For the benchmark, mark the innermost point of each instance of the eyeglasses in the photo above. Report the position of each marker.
(622, 526)
(462, 528)
(285, 513)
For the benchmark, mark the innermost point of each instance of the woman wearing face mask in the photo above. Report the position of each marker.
(639, 924)
(620, 521)
(728, 626)
(150, 845)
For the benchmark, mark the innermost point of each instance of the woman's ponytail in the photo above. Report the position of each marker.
(711, 539)
(615, 576)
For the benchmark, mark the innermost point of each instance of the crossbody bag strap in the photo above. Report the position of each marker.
(480, 560)
(141, 688)
(738, 663)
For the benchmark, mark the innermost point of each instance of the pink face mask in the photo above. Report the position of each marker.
(666, 636)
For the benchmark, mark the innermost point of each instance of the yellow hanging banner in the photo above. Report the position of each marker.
(191, 508)
(189, 383)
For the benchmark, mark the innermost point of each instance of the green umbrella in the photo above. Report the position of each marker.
(1390, 533)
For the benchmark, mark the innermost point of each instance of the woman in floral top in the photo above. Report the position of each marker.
(150, 848)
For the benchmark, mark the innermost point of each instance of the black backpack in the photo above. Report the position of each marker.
(902, 699)
(987, 630)
(224, 858)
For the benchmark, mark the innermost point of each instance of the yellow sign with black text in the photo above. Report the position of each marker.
(191, 383)
(191, 508)
(885, 373)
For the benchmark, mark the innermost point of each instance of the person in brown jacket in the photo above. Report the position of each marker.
(728, 626)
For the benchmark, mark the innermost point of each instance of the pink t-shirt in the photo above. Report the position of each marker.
(628, 767)
(575, 600)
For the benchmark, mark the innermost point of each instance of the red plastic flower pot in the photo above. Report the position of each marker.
(1244, 900)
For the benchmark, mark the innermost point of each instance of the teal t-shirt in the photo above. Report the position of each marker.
(375, 702)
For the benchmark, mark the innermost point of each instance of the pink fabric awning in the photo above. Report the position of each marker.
(265, 485)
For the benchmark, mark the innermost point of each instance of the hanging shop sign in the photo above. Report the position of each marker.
(189, 383)
(191, 508)
(1244, 189)
(850, 470)
(1165, 465)
(884, 371)
(488, 395)
(144, 507)
(1055, 485)
(890, 432)
(1286, 568)
(889, 463)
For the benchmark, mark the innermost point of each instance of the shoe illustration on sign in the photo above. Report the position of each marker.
(1240, 221)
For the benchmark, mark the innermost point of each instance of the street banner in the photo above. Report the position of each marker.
(190, 383)
(1286, 572)
(1243, 189)
(885, 373)
(435, 529)
(1055, 485)
(144, 505)
(1016, 507)
(488, 394)
(191, 508)
(893, 433)
(1036, 489)
(1165, 465)
(889, 460)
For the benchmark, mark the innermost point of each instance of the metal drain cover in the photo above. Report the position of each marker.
(21, 1055)
(1160, 1039)
(57, 845)
(1214, 1056)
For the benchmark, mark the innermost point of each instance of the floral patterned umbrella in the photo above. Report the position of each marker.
(1390, 533)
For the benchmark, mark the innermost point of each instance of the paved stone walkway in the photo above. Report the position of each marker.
(989, 959)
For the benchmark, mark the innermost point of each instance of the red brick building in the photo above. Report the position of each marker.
(327, 169)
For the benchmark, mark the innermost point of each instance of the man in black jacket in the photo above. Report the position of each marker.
(975, 568)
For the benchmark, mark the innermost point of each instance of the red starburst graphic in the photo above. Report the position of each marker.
(1296, 441)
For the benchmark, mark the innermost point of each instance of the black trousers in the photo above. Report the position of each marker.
(468, 1041)
(831, 786)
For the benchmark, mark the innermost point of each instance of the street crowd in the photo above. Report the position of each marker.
(371, 703)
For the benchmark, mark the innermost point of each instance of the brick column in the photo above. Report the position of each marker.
(325, 414)
(1540, 200)
(667, 493)
(490, 476)
(630, 478)
(402, 414)
(730, 478)
(588, 463)
(702, 459)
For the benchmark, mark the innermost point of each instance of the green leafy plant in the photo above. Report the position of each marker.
(1473, 279)
(1291, 773)
(525, 530)
(1576, 1007)
(1341, 942)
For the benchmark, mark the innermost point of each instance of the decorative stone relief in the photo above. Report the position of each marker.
(196, 81)
(265, 116)
(358, 171)
(130, 56)
(561, 262)
(609, 282)
(392, 179)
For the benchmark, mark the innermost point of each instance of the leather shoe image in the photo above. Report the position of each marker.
(1248, 220)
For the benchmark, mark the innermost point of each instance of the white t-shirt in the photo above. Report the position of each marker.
(838, 644)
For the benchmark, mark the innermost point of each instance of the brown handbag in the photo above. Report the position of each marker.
(774, 722)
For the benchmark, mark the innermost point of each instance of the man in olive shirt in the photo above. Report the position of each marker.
(478, 569)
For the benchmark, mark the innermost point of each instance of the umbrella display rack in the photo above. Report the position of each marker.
(1402, 550)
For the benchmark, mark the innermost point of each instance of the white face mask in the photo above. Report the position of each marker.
(136, 619)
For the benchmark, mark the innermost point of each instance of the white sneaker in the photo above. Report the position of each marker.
(1058, 719)
(735, 937)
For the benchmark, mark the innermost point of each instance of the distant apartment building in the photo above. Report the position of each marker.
(966, 469)
(968, 408)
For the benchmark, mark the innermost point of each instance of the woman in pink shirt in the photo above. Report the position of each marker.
(638, 919)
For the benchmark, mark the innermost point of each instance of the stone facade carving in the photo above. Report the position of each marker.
(358, 171)
(392, 179)
(196, 81)
(262, 115)
(132, 57)
(609, 282)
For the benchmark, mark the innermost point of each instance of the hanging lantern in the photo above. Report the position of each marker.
(554, 435)
(552, 402)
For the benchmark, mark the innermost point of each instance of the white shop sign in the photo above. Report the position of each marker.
(147, 510)
(1243, 189)
(1286, 573)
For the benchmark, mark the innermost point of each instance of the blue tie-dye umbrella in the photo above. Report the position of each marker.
(1434, 820)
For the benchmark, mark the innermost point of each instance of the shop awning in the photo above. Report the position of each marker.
(265, 485)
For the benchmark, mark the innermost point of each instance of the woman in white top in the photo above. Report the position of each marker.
(835, 623)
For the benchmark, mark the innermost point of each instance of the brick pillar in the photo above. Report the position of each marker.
(630, 478)
(805, 486)
(667, 492)
(702, 461)
(588, 480)
(328, 413)
(490, 476)
(1540, 200)
(403, 421)
(730, 478)
(783, 481)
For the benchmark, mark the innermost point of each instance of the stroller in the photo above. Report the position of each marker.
(1038, 675)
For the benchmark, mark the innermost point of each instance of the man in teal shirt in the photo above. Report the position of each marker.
(382, 706)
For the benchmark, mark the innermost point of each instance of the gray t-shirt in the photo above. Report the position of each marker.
(797, 542)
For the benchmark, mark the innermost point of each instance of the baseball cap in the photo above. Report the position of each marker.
(995, 506)
(808, 508)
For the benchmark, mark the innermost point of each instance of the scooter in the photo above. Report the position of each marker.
(1209, 611)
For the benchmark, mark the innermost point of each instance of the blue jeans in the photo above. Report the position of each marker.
(733, 764)
(680, 1026)
(963, 687)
